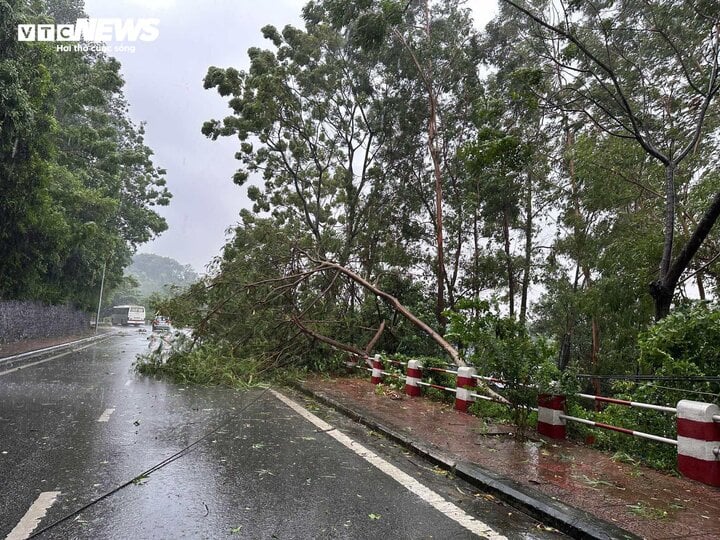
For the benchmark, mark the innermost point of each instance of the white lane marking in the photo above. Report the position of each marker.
(105, 416)
(45, 360)
(32, 517)
(455, 513)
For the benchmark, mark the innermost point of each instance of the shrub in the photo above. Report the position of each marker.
(502, 347)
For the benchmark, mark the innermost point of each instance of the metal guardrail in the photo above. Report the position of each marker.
(438, 387)
(626, 431)
(602, 399)
(627, 403)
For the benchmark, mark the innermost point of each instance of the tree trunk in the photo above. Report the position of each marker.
(508, 263)
(663, 288)
(700, 285)
(528, 250)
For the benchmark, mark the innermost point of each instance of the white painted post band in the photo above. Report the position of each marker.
(551, 421)
(465, 388)
(377, 371)
(413, 378)
(698, 441)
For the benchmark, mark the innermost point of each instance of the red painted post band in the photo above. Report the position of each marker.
(698, 441)
(550, 411)
(413, 378)
(465, 386)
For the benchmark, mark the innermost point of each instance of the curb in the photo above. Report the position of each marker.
(567, 519)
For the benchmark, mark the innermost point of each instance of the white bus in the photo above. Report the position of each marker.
(125, 315)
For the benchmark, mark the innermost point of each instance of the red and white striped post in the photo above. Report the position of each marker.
(698, 438)
(413, 378)
(376, 375)
(464, 388)
(551, 421)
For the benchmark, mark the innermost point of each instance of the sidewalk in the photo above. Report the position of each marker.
(579, 490)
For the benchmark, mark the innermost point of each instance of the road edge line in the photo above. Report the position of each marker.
(567, 519)
(414, 486)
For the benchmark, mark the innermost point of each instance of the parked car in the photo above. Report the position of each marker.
(161, 324)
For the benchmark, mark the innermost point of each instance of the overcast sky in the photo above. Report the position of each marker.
(164, 88)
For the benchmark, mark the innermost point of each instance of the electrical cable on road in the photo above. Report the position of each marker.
(186, 450)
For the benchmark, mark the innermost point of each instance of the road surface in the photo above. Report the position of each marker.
(89, 449)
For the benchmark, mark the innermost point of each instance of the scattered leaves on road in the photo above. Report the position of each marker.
(374, 516)
(140, 480)
(646, 511)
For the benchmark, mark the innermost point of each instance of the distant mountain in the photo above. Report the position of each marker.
(155, 273)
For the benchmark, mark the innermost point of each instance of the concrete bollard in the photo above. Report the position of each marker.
(550, 409)
(413, 378)
(698, 439)
(376, 377)
(464, 387)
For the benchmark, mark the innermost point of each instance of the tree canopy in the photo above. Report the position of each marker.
(78, 182)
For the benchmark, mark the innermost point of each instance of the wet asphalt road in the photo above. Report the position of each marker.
(259, 469)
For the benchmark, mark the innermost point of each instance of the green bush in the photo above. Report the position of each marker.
(502, 347)
(684, 344)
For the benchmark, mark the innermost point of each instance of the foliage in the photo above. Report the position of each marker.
(207, 364)
(687, 341)
(501, 347)
(682, 345)
(78, 181)
(186, 361)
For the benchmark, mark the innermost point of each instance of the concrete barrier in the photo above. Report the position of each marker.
(413, 378)
(698, 441)
(465, 385)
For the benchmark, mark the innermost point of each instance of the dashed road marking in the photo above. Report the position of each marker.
(105, 416)
(32, 517)
(452, 511)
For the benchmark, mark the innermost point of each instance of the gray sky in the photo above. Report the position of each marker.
(164, 88)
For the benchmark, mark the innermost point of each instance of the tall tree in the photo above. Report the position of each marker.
(428, 55)
(647, 72)
(78, 181)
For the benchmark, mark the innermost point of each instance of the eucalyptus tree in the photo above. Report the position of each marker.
(427, 56)
(510, 159)
(645, 72)
(309, 118)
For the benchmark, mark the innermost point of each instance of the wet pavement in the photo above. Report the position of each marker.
(217, 463)
(640, 500)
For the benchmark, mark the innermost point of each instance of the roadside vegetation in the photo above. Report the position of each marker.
(78, 186)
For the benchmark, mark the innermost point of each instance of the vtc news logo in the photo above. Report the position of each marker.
(96, 30)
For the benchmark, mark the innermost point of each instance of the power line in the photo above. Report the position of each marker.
(149, 471)
(697, 378)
